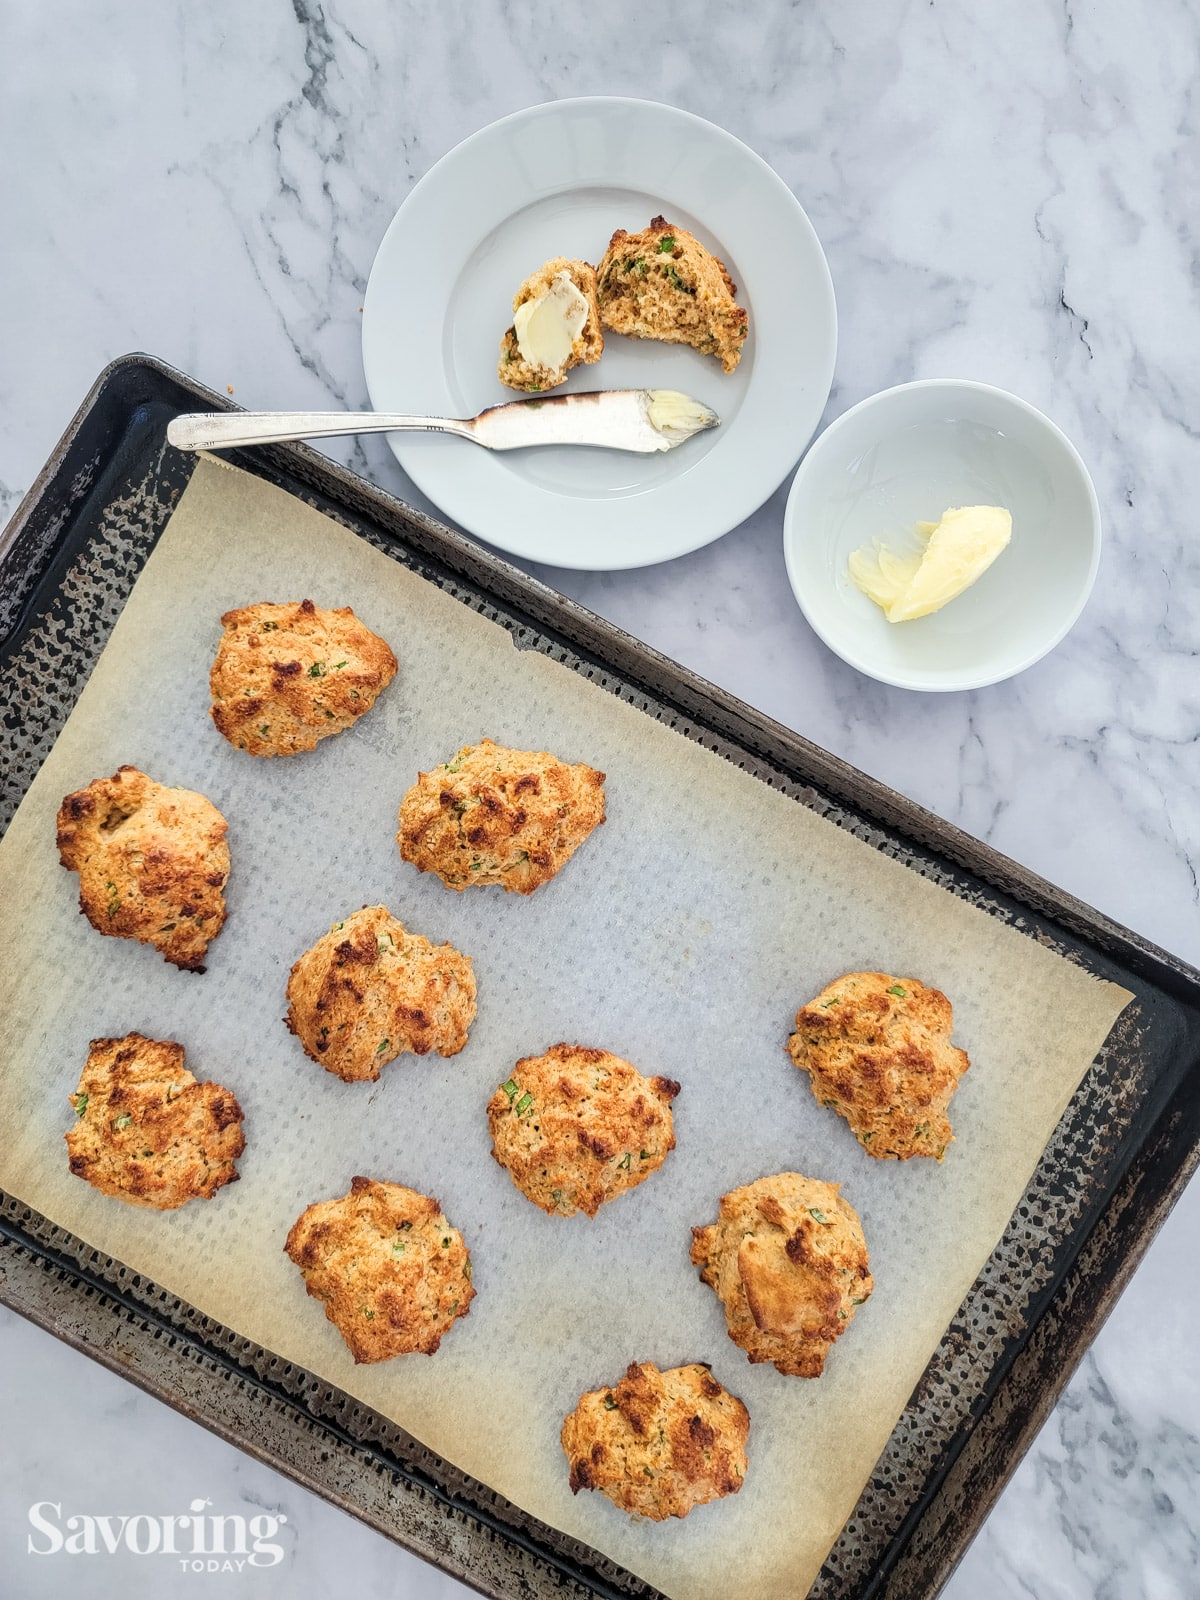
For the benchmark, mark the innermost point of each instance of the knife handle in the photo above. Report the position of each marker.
(224, 430)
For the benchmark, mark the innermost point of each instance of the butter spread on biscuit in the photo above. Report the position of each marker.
(548, 325)
(953, 553)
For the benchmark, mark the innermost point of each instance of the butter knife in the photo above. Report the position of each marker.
(643, 420)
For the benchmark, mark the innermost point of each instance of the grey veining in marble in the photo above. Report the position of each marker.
(1006, 191)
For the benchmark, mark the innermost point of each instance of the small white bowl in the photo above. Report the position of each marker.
(906, 456)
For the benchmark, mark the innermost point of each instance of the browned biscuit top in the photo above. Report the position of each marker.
(658, 1443)
(663, 284)
(495, 815)
(877, 1050)
(287, 676)
(369, 990)
(788, 1261)
(576, 1127)
(152, 863)
(393, 1274)
(146, 1131)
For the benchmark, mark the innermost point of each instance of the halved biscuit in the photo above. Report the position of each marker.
(556, 326)
(663, 284)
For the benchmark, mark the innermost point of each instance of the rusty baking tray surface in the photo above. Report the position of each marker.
(1116, 1163)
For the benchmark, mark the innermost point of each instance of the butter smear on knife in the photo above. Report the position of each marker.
(677, 415)
(954, 553)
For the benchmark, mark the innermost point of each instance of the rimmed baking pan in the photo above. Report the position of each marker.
(1116, 1162)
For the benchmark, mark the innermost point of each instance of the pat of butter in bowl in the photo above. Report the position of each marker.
(548, 325)
(954, 553)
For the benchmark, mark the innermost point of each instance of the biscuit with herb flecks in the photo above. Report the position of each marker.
(146, 1132)
(561, 293)
(391, 1272)
(788, 1261)
(369, 990)
(287, 676)
(495, 815)
(576, 1127)
(877, 1051)
(663, 284)
(152, 863)
(658, 1443)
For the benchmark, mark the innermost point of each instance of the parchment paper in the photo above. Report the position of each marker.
(683, 936)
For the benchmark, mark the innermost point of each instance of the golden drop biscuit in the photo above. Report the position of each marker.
(495, 815)
(576, 1127)
(663, 284)
(152, 863)
(658, 1443)
(287, 676)
(789, 1263)
(369, 990)
(877, 1051)
(146, 1132)
(392, 1273)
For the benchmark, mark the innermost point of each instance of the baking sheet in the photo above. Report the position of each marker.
(683, 935)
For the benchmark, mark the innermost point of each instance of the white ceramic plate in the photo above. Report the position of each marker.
(557, 180)
(906, 456)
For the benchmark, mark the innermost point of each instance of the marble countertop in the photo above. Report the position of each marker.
(1006, 191)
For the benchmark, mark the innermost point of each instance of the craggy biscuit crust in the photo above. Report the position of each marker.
(663, 284)
(514, 370)
(369, 990)
(877, 1050)
(658, 1443)
(146, 1131)
(391, 1271)
(152, 863)
(577, 1127)
(495, 815)
(788, 1261)
(287, 676)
